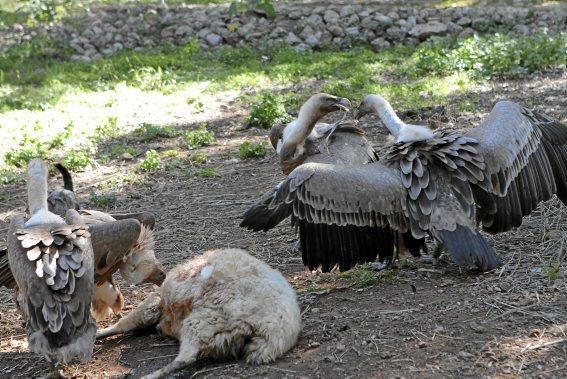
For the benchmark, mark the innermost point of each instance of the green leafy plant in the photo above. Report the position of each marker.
(120, 149)
(46, 10)
(61, 137)
(106, 130)
(248, 150)
(151, 162)
(552, 273)
(29, 149)
(171, 153)
(267, 112)
(199, 138)
(77, 160)
(261, 7)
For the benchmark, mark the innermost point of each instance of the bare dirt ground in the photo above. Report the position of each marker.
(434, 321)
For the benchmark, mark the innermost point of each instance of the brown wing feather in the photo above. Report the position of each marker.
(526, 163)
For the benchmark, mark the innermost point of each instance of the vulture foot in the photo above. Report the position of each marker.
(296, 248)
(379, 266)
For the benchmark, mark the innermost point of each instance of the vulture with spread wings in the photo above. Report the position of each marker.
(441, 183)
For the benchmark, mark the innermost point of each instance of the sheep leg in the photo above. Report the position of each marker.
(147, 314)
(188, 353)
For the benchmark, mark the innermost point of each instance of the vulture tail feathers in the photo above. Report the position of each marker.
(327, 246)
(469, 248)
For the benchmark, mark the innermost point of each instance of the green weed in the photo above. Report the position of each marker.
(118, 150)
(151, 162)
(199, 157)
(199, 137)
(77, 160)
(29, 149)
(107, 130)
(267, 112)
(248, 150)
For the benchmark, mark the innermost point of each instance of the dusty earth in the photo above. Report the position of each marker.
(430, 321)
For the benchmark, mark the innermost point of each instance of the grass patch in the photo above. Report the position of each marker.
(206, 172)
(103, 200)
(199, 137)
(363, 275)
(199, 157)
(148, 132)
(248, 150)
(151, 162)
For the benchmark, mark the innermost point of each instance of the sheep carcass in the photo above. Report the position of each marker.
(224, 303)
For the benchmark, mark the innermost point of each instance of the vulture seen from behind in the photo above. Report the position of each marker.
(52, 262)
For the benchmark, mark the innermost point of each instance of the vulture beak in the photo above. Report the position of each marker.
(342, 104)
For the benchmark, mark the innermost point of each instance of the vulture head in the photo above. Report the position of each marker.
(61, 199)
(369, 105)
(292, 151)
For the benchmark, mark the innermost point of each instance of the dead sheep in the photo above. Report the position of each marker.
(224, 303)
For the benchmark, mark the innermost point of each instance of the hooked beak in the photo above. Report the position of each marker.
(342, 104)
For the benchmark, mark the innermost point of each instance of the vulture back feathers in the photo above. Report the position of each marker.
(52, 264)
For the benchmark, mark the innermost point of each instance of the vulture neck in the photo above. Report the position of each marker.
(400, 130)
(297, 131)
(37, 196)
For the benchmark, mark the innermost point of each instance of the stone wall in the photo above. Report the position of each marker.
(106, 31)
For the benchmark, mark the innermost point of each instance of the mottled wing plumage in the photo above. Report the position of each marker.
(52, 266)
(343, 213)
(526, 163)
(436, 174)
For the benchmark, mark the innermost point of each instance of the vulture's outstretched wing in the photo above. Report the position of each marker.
(526, 163)
(344, 213)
